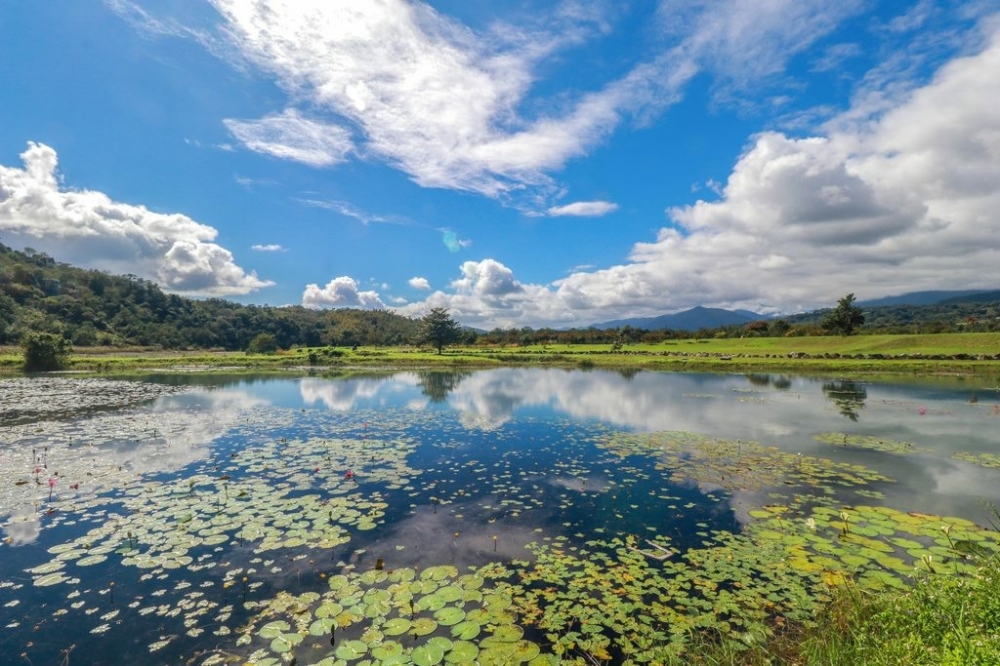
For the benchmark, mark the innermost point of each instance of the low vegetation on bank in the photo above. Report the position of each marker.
(946, 620)
(955, 353)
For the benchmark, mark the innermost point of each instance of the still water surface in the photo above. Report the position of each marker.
(159, 521)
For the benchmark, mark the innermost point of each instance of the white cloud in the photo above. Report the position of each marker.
(350, 210)
(340, 292)
(290, 136)
(451, 107)
(584, 209)
(487, 278)
(742, 42)
(488, 294)
(270, 247)
(252, 184)
(419, 283)
(835, 56)
(904, 201)
(88, 229)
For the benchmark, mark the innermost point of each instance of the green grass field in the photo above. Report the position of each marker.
(962, 353)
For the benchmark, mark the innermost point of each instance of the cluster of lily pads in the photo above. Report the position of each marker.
(737, 464)
(980, 459)
(404, 616)
(867, 442)
(61, 468)
(30, 400)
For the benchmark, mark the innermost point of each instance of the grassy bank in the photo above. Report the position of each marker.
(946, 353)
(941, 619)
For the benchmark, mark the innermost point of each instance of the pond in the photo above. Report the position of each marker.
(495, 517)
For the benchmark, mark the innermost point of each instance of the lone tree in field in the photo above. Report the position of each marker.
(439, 329)
(844, 318)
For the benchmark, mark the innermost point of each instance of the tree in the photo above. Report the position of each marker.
(844, 318)
(439, 329)
(263, 343)
(44, 352)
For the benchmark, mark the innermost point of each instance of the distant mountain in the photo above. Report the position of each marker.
(910, 308)
(928, 298)
(977, 297)
(689, 320)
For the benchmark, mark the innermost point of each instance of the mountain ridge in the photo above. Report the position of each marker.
(700, 317)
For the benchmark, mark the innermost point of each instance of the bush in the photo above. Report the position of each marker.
(264, 343)
(44, 352)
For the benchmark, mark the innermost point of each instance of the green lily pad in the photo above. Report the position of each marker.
(386, 650)
(508, 633)
(462, 652)
(427, 655)
(274, 629)
(351, 650)
(322, 627)
(449, 616)
(91, 560)
(285, 643)
(396, 626)
(50, 579)
(423, 626)
(466, 630)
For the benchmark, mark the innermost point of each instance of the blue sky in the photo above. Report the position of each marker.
(522, 163)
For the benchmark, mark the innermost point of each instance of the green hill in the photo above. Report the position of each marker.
(94, 308)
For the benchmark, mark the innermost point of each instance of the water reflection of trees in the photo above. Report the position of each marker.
(437, 385)
(847, 395)
(780, 382)
(628, 373)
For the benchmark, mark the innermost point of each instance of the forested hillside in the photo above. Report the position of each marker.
(93, 308)
(974, 312)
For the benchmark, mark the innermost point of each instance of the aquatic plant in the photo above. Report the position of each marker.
(867, 442)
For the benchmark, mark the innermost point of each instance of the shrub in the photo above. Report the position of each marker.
(264, 343)
(44, 352)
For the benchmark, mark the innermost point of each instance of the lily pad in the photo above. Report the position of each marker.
(351, 650)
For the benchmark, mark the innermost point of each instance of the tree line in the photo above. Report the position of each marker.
(87, 308)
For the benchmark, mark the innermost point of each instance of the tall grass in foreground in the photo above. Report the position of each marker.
(942, 619)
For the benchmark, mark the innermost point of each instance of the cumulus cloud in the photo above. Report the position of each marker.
(487, 278)
(340, 292)
(487, 294)
(584, 209)
(900, 203)
(88, 229)
(904, 201)
(270, 247)
(290, 136)
(419, 283)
